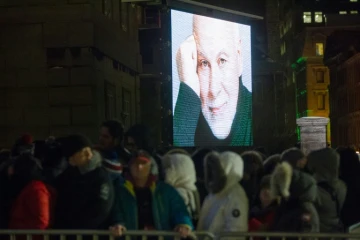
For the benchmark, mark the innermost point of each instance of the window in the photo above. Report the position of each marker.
(320, 76)
(124, 16)
(321, 101)
(319, 49)
(354, 12)
(343, 12)
(307, 17)
(353, 0)
(107, 8)
(126, 108)
(318, 17)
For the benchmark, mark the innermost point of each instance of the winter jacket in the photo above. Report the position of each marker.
(261, 219)
(180, 173)
(226, 210)
(169, 210)
(85, 196)
(298, 190)
(34, 207)
(324, 164)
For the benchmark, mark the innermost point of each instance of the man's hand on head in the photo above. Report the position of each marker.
(186, 60)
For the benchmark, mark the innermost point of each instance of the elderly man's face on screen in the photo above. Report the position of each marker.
(219, 67)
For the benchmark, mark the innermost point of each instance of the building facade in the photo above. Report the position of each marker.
(65, 66)
(303, 29)
(342, 56)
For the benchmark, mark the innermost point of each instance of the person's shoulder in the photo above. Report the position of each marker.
(238, 193)
(341, 187)
(102, 174)
(37, 185)
(165, 188)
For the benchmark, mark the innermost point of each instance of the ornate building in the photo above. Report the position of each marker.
(303, 29)
(342, 56)
(65, 66)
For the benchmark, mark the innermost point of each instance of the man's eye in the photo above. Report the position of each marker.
(204, 63)
(222, 61)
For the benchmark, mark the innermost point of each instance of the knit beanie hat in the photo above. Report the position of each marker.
(73, 144)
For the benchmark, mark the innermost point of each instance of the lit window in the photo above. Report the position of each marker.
(320, 76)
(343, 12)
(319, 49)
(321, 102)
(354, 12)
(307, 17)
(353, 0)
(318, 17)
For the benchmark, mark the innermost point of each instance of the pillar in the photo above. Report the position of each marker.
(312, 133)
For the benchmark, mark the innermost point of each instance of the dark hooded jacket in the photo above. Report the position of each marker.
(324, 164)
(85, 196)
(298, 192)
(349, 173)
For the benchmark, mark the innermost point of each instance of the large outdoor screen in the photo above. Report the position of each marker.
(211, 81)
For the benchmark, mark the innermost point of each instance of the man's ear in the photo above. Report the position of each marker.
(240, 57)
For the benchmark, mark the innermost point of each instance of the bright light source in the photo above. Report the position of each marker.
(307, 17)
(318, 17)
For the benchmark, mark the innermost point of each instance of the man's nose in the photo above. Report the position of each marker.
(215, 83)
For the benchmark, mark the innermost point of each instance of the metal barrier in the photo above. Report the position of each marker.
(161, 235)
(95, 235)
(284, 236)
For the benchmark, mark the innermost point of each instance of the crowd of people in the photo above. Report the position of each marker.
(123, 183)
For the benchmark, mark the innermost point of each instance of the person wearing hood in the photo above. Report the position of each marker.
(297, 192)
(349, 173)
(253, 170)
(226, 207)
(198, 158)
(324, 164)
(32, 199)
(180, 173)
(85, 191)
(143, 203)
(270, 164)
(295, 157)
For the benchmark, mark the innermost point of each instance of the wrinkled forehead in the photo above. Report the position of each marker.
(205, 27)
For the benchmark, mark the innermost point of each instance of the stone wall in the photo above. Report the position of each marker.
(64, 68)
(312, 133)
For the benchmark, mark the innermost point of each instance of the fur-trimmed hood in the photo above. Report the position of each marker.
(222, 171)
(179, 171)
(290, 183)
(324, 164)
